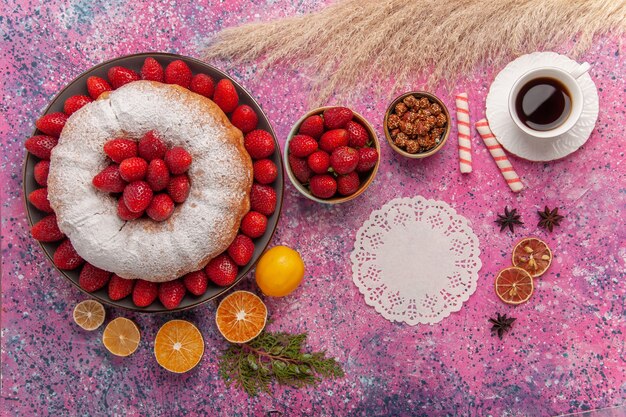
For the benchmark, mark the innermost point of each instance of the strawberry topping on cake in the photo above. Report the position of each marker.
(139, 196)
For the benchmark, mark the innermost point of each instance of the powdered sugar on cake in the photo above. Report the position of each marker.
(200, 228)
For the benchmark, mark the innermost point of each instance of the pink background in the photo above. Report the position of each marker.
(565, 353)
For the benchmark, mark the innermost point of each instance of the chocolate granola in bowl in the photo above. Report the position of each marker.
(417, 124)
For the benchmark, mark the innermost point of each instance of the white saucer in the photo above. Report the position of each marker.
(512, 138)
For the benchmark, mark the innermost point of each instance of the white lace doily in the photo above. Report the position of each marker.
(416, 260)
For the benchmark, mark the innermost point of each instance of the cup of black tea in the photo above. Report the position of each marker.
(547, 102)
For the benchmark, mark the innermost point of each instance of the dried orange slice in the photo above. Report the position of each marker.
(121, 337)
(533, 255)
(514, 285)
(89, 314)
(241, 317)
(178, 346)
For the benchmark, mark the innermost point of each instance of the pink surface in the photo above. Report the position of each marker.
(565, 353)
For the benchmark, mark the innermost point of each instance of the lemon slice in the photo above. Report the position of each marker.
(89, 314)
(121, 337)
(514, 285)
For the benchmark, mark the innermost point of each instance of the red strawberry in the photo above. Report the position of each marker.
(119, 76)
(300, 169)
(259, 144)
(202, 84)
(348, 184)
(120, 287)
(222, 270)
(97, 86)
(137, 196)
(145, 292)
(368, 157)
(161, 207)
(265, 171)
(92, 278)
(171, 293)
(337, 117)
(302, 146)
(152, 70)
(319, 162)
(177, 72)
(41, 146)
(226, 96)
(124, 213)
(333, 139)
(178, 160)
(65, 256)
(120, 149)
(47, 229)
(39, 199)
(158, 176)
(109, 180)
(196, 282)
(312, 126)
(244, 118)
(344, 160)
(52, 124)
(241, 250)
(40, 172)
(323, 186)
(357, 134)
(263, 199)
(179, 187)
(74, 103)
(133, 169)
(253, 224)
(151, 147)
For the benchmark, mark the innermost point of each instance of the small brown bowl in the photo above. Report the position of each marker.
(335, 200)
(417, 94)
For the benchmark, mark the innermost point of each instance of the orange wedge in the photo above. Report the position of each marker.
(89, 314)
(241, 317)
(121, 337)
(514, 285)
(532, 255)
(178, 346)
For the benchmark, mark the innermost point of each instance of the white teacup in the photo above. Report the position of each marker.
(568, 79)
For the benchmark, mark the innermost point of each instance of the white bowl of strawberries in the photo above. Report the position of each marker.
(332, 155)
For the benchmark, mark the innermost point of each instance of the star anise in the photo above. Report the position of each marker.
(549, 218)
(501, 325)
(510, 219)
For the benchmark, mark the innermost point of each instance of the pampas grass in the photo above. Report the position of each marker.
(352, 43)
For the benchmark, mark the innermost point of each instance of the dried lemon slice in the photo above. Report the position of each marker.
(121, 337)
(514, 285)
(533, 255)
(89, 314)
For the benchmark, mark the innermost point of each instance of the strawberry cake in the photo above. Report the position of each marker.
(194, 231)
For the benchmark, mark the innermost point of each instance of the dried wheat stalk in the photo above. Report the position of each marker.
(352, 43)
